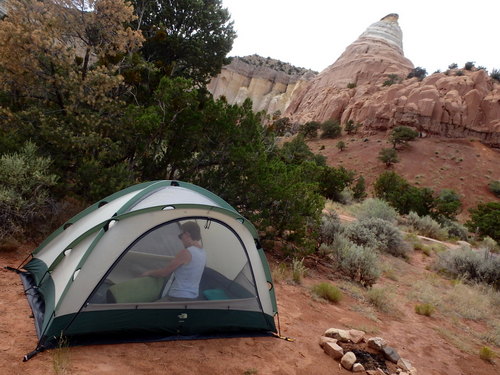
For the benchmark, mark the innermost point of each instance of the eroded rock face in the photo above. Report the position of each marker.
(269, 89)
(452, 104)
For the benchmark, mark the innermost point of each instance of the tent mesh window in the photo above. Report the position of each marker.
(224, 275)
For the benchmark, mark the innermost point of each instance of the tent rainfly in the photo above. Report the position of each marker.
(100, 277)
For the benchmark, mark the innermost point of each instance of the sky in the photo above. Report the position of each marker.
(314, 33)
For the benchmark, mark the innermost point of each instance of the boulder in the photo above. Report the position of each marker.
(358, 367)
(390, 354)
(348, 360)
(333, 350)
(341, 335)
(356, 336)
(376, 343)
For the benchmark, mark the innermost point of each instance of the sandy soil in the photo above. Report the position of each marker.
(439, 163)
(301, 316)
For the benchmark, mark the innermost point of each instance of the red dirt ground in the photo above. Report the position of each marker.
(302, 317)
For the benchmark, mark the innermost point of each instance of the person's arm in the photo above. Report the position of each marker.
(183, 257)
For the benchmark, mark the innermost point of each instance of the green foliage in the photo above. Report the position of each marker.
(485, 220)
(298, 270)
(494, 187)
(359, 189)
(402, 196)
(310, 129)
(469, 65)
(351, 85)
(486, 354)
(388, 156)
(351, 127)
(473, 265)
(418, 72)
(186, 38)
(328, 291)
(330, 228)
(376, 208)
(453, 66)
(447, 204)
(281, 126)
(401, 135)
(378, 234)
(426, 226)
(330, 129)
(392, 79)
(359, 263)
(341, 145)
(459, 73)
(379, 298)
(454, 229)
(297, 152)
(495, 74)
(333, 181)
(425, 309)
(25, 180)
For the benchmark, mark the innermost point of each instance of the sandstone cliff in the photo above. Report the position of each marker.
(457, 103)
(269, 83)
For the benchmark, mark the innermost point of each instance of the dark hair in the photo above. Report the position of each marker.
(193, 229)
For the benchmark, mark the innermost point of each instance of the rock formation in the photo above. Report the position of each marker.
(368, 84)
(270, 84)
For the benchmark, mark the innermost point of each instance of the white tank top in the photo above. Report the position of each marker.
(187, 277)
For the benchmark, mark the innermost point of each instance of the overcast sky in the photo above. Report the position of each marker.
(314, 33)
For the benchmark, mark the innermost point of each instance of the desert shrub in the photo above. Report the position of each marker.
(376, 208)
(453, 66)
(426, 226)
(459, 73)
(388, 156)
(341, 145)
(379, 235)
(330, 228)
(24, 189)
(418, 72)
(484, 220)
(351, 85)
(495, 74)
(426, 309)
(356, 262)
(380, 299)
(351, 127)
(486, 354)
(494, 187)
(359, 189)
(447, 204)
(489, 244)
(309, 129)
(455, 229)
(473, 265)
(330, 129)
(328, 291)
(298, 270)
(469, 65)
(391, 80)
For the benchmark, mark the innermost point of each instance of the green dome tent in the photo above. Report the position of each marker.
(86, 282)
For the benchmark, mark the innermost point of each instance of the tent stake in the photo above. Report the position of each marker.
(30, 355)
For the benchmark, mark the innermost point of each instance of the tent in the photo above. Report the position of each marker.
(85, 283)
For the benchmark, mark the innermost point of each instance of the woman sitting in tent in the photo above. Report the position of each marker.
(187, 266)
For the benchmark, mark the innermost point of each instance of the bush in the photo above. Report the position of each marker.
(328, 291)
(376, 208)
(330, 228)
(495, 74)
(24, 190)
(447, 204)
(478, 266)
(330, 129)
(418, 72)
(341, 145)
(486, 354)
(469, 65)
(310, 129)
(379, 298)
(359, 189)
(391, 80)
(401, 135)
(494, 187)
(298, 270)
(426, 226)
(455, 230)
(485, 219)
(379, 235)
(425, 309)
(356, 262)
(388, 156)
(453, 66)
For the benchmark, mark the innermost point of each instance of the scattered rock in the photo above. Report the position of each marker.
(358, 367)
(339, 334)
(356, 336)
(376, 343)
(333, 350)
(390, 354)
(323, 340)
(376, 372)
(406, 365)
(348, 360)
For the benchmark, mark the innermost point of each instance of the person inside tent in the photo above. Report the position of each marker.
(187, 266)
